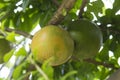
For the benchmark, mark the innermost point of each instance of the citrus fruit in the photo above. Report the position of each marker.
(87, 37)
(52, 43)
(4, 48)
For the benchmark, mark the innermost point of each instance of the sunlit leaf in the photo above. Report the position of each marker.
(8, 56)
(11, 37)
(64, 13)
(48, 69)
(17, 72)
(21, 52)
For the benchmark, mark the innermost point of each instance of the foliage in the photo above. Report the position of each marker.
(18, 18)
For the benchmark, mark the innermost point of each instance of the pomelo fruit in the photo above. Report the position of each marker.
(52, 43)
(87, 37)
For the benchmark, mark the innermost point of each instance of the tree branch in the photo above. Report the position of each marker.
(62, 11)
(56, 3)
(100, 63)
(110, 29)
(19, 32)
(89, 60)
(2, 65)
(84, 2)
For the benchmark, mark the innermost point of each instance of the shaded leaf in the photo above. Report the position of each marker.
(25, 4)
(117, 51)
(68, 75)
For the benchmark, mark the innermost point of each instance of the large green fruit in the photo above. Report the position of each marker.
(4, 48)
(52, 43)
(87, 37)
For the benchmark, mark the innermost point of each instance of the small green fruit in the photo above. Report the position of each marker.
(87, 37)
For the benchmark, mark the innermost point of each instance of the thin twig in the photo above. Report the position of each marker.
(110, 29)
(19, 32)
(39, 69)
(100, 63)
(17, 62)
(2, 66)
(115, 31)
(84, 2)
(89, 60)
(12, 69)
(62, 11)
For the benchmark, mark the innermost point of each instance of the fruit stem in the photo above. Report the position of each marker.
(39, 69)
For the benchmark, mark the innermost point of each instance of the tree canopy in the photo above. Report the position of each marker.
(19, 19)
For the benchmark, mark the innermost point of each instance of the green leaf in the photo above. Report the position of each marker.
(8, 56)
(85, 70)
(103, 55)
(117, 51)
(26, 21)
(68, 18)
(34, 19)
(95, 7)
(64, 12)
(116, 6)
(17, 72)
(68, 75)
(48, 69)
(105, 20)
(25, 4)
(7, 22)
(77, 5)
(41, 78)
(21, 52)
(11, 37)
(44, 18)
(88, 15)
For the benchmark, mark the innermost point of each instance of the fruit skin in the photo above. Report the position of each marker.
(115, 75)
(87, 37)
(52, 42)
(4, 48)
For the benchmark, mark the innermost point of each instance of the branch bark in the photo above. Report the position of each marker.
(62, 11)
(19, 32)
(100, 63)
(92, 61)
(84, 2)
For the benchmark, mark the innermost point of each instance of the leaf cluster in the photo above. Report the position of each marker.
(25, 15)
